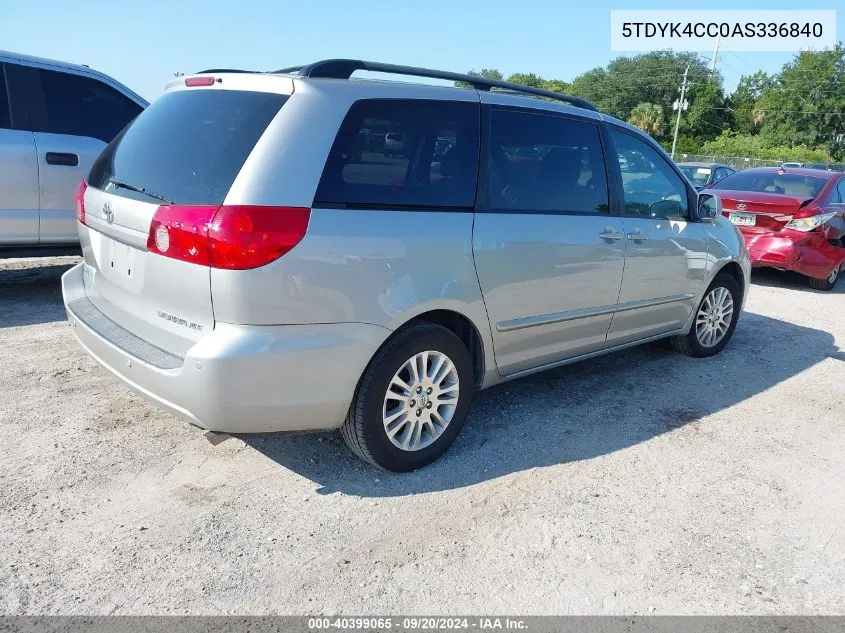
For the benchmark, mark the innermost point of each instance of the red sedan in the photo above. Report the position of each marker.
(791, 219)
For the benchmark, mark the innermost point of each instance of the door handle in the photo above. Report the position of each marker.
(62, 158)
(637, 237)
(610, 235)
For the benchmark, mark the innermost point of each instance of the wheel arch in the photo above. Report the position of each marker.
(468, 321)
(734, 270)
(464, 328)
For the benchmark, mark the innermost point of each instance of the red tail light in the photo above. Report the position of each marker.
(231, 237)
(79, 201)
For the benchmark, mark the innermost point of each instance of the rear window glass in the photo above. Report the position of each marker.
(188, 146)
(65, 103)
(698, 175)
(771, 182)
(404, 152)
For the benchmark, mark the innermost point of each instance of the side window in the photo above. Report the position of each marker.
(77, 105)
(841, 189)
(540, 162)
(721, 172)
(5, 105)
(404, 152)
(649, 183)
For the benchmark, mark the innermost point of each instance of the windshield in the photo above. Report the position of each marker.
(765, 182)
(698, 175)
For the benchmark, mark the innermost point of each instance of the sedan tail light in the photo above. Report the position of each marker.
(230, 237)
(808, 223)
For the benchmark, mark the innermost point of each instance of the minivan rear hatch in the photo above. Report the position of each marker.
(179, 159)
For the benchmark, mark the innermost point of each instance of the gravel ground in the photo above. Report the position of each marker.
(642, 482)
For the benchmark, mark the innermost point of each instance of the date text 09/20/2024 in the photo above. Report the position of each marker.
(417, 624)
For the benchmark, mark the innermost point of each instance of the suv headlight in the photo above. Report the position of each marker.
(810, 223)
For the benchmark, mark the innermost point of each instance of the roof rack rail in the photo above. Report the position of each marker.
(343, 69)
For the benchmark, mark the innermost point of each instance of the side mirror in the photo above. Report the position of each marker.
(665, 209)
(708, 206)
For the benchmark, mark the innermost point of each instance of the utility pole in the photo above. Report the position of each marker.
(715, 55)
(680, 105)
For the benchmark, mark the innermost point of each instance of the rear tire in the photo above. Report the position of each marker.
(425, 417)
(825, 284)
(714, 321)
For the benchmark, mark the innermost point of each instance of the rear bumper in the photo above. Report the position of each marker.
(807, 253)
(239, 378)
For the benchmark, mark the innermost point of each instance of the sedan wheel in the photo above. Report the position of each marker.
(828, 283)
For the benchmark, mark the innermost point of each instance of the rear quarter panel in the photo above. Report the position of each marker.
(359, 266)
(381, 267)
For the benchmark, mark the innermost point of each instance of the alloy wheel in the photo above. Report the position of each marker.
(420, 400)
(714, 317)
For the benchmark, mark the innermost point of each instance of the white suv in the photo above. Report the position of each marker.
(55, 119)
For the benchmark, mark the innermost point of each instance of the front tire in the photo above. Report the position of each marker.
(825, 284)
(714, 321)
(412, 400)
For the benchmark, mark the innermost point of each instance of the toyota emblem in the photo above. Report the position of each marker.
(108, 212)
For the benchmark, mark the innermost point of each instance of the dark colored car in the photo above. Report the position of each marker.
(790, 219)
(702, 175)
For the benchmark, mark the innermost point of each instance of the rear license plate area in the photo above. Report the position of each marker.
(743, 219)
(119, 260)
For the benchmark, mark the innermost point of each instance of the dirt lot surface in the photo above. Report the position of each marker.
(642, 482)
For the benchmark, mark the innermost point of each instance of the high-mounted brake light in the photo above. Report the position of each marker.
(79, 200)
(192, 82)
(230, 237)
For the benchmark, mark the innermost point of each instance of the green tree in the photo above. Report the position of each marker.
(656, 78)
(557, 85)
(486, 73)
(648, 117)
(743, 102)
(708, 114)
(528, 79)
(806, 104)
(535, 81)
(757, 146)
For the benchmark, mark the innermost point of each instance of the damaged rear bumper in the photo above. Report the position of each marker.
(809, 254)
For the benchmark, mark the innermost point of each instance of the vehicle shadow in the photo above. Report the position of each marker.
(31, 293)
(773, 278)
(575, 412)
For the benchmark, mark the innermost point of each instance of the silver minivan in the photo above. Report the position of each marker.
(55, 119)
(254, 262)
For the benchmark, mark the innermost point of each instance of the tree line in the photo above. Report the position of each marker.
(797, 113)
